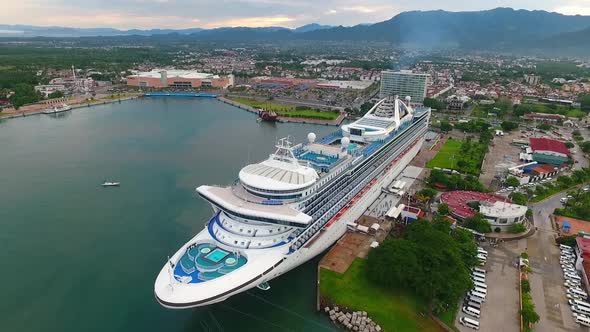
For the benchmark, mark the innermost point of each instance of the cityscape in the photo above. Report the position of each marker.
(372, 168)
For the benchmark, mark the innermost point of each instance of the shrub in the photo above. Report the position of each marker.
(516, 228)
(524, 255)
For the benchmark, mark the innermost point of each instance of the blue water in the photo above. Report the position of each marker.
(79, 257)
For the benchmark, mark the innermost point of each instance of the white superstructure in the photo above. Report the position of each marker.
(290, 207)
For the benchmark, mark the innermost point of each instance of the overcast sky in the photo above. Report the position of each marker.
(129, 14)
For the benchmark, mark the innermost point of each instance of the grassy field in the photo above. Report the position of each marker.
(443, 157)
(393, 311)
(453, 156)
(288, 110)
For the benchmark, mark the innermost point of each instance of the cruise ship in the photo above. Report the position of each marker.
(283, 211)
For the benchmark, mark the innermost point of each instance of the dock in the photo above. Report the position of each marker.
(284, 119)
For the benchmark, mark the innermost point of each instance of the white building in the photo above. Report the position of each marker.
(403, 83)
(502, 214)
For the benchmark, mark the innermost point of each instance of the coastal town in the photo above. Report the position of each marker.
(403, 190)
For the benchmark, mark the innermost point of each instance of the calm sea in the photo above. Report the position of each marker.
(78, 257)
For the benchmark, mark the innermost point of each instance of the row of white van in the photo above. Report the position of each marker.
(576, 295)
(475, 298)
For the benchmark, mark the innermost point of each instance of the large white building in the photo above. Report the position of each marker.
(403, 83)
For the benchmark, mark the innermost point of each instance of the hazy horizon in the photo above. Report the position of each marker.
(182, 14)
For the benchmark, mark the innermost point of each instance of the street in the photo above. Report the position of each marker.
(547, 278)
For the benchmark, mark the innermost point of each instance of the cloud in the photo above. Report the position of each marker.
(260, 21)
(127, 14)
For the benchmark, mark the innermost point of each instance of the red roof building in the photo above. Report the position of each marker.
(457, 201)
(548, 145)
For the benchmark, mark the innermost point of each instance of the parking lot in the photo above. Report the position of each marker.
(499, 312)
(547, 277)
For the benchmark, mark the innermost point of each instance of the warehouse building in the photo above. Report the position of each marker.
(549, 151)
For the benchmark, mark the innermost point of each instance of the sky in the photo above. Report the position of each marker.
(147, 14)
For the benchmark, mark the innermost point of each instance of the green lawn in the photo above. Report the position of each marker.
(443, 157)
(393, 311)
(452, 156)
(288, 110)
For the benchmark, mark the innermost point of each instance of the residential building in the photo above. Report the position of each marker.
(403, 83)
(532, 79)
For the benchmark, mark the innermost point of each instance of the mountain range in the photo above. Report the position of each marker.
(495, 29)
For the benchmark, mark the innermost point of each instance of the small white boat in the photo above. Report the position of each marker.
(110, 184)
(55, 110)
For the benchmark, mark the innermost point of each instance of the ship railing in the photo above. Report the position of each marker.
(358, 185)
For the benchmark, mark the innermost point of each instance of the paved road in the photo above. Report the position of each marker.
(547, 280)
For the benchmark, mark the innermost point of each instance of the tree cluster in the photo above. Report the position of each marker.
(478, 223)
(455, 181)
(430, 260)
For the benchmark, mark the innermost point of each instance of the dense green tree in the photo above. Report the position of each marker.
(390, 264)
(434, 103)
(519, 198)
(503, 106)
(429, 261)
(544, 126)
(24, 94)
(569, 145)
(443, 209)
(509, 126)
(529, 315)
(584, 100)
(512, 181)
(445, 126)
(56, 94)
(478, 223)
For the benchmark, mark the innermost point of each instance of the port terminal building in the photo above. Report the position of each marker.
(164, 78)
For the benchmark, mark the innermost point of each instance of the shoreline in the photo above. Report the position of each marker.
(25, 114)
(284, 119)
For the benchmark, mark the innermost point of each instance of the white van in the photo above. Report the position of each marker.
(478, 270)
(478, 279)
(475, 299)
(480, 250)
(482, 257)
(479, 275)
(581, 310)
(472, 323)
(480, 285)
(480, 290)
(572, 276)
(583, 320)
(475, 294)
(476, 305)
(577, 292)
(563, 246)
(582, 303)
(471, 311)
